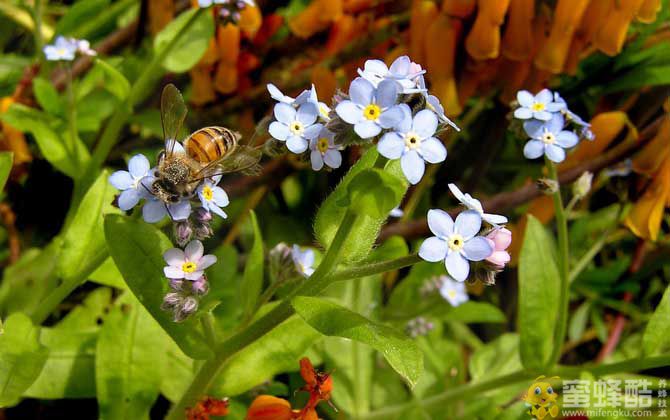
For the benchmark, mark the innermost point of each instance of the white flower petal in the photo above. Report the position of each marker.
(544, 96)
(279, 131)
(494, 219)
(523, 113)
(533, 149)
(316, 159)
(457, 266)
(194, 251)
(412, 166)
(121, 180)
(174, 257)
(387, 93)
(554, 153)
(433, 249)
(392, 117)
(206, 261)
(367, 129)
(296, 144)
(307, 113)
(173, 273)
(425, 123)
(349, 112)
(433, 151)
(566, 139)
(312, 131)
(180, 210)
(220, 197)
(525, 98)
(153, 211)
(284, 113)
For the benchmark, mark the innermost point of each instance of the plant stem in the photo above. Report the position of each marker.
(37, 17)
(72, 117)
(207, 322)
(315, 284)
(588, 257)
(474, 390)
(563, 267)
(375, 268)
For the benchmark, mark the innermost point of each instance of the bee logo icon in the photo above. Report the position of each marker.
(541, 399)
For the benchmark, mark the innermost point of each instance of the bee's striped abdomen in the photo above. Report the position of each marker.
(210, 143)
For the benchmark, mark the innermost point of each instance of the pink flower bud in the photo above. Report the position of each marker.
(500, 240)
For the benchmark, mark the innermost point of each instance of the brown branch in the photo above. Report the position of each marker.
(510, 199)
(8, 219)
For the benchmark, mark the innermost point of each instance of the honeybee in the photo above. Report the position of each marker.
(206, 153)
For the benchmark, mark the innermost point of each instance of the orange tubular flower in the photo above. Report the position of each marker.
(656, 152)
(648, 11)
(206, 407)
(250, 21)
(644, 220)
(315, 18)
(267, 407)
(612, 34)
(324, 80)
(440, 46)
(355, 6)
(517, 42)
(12, 139)
(423, 14)
(483, 41)
(228, 40)
(567, 16)
(458, 8)
(160, 14)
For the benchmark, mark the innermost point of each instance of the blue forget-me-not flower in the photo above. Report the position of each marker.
(540, 107)
(548, 138)
(295, 127)
(130, 182)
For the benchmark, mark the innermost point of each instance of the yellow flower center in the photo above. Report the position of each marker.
(322, 145)
(297, 128)
(412, 140)
(456, 242)
(452, 294)
(371, 112)
(548, 138)
(207, 193)
(538, 106)
(188, 267)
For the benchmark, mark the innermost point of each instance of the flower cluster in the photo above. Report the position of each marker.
(460, 242)
(418, 326)
(546, 120)
(65, 49)
(387, 103)
(185, 272)
(229, 10)
(190, 213)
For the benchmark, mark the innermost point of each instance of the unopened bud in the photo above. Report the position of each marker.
(201, 286)
(202, 215)
(547, 186)
(203, 231)
(189, 305)
(183, 232)
(171, 300)
(582, 186)
(176, 284)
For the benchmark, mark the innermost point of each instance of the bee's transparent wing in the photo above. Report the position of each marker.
(244, 159)
(173, 113)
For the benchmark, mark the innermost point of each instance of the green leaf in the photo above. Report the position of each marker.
(47, 96)
(88, 315)
(192, 44)
(115, 81)
(69, 371)
(366, 228)
(84, 247)
(539, 284)
(474, 312)
(374, 192)
(656, 338)
(334, 320)
(497, 358)
(21, 357)
(6, 161)
(275, 352)
(130, 362)
(137, 249)
(252, 281)
(79, 12)
(640, 76)
(578, 322)
(108, 275)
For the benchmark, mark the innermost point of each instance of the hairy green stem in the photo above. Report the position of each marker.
(375, 268)
(72, 117)
(475, 389)
(563, 267)
(316, 283)
(207, 322)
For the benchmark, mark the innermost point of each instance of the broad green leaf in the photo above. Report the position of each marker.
(406, 300)
(656, 338)
(115, 81)
(108, 275)
(366, 229)
(277, 351)
(29, 280)
(191, 46)
(539, 285)
(47, 96)
(21, 357)
(182, 370)
(11, 71)
(69, 371)
(578, 321)
(130, 362)
(374, 192)
(252, 281)
(497, 358)
(90, 314)
(84, 247)
(79, 12)
(334, 320)
(473, 312)
(6, 161)
(641, 76)
(137, 249)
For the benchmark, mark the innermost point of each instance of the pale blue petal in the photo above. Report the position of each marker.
(194, 251)
(433, 151)
(206, 261)
(556, 123)
(494, 219)
(284, 113)
(457, 266)
(367, 129)
(312, 131)
(433, 249)
(425, 123)
(138, 166)
(173, 273)
(391, 117)
(121, 180)
(525, 98)
(567, 139)
(387, 93)
(180, 210)
(296, 144)
(400, 66)
(361, 91)
(542, 115)
(307, 113)
(217, 210)
(153, 211)
(279, 131)
(468, 223)
(333, 158)
(349, 112)
(129, 199)
(412, 166)
(404, 125)
(477, 249)
(440, 223)
(174, 257)
(555, 106)
(220, 197)
(316, 159)
(534, 128)
(391, 145)
(533, 149)
(544, 96)
(523, 113)
(554, 153)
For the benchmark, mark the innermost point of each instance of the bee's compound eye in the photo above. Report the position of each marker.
(550, 390)
(538, 391)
